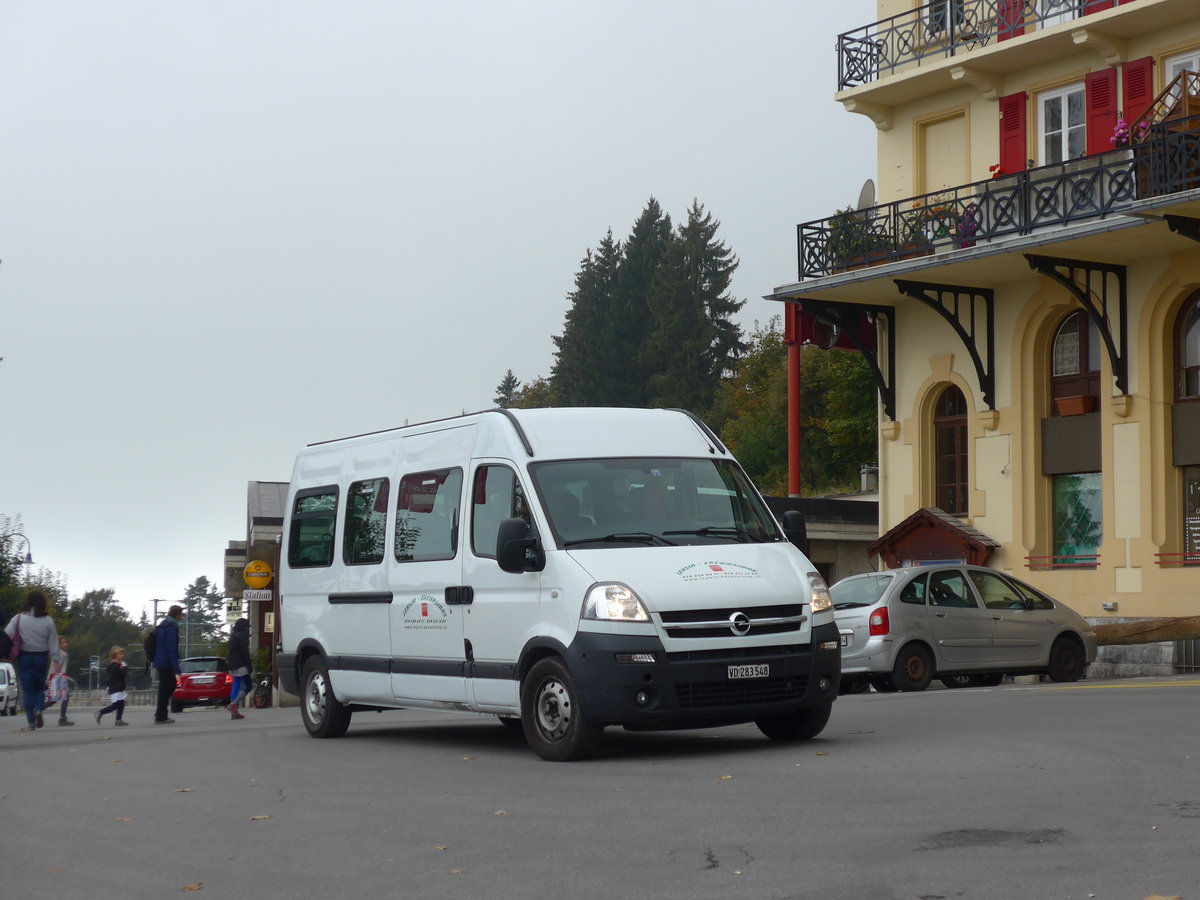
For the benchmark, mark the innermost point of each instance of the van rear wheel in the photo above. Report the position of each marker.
(801, 725)
(324, 716)
(552, 717)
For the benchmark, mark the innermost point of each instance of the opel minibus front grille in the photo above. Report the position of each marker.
(706, 623)
(720, 694)
(734, 655)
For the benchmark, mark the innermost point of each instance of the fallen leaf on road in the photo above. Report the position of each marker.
(443, 847)
(458, 871)
(198, 886)
(468, 757)
(501, 812)
(1161, 897)
(183, 790)
(724, 778)
(116, 760)
(124, 818)
(822, 753)
(258, 818)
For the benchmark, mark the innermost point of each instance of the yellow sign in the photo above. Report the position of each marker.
(257, 574)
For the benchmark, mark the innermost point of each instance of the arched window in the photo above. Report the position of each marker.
(950, 452)
(1075, 361)
(1188, 383)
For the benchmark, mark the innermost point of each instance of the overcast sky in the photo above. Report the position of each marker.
(229, 229)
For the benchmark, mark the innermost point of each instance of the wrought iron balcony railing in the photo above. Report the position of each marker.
(1167, 161)
(945, 28)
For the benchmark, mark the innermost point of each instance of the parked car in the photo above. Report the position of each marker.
(9, 689)
(966, 625)
(203, 681)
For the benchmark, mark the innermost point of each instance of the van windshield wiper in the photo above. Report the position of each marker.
(738, 534)
(644, 537)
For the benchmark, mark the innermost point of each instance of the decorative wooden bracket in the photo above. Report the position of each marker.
(964, 307)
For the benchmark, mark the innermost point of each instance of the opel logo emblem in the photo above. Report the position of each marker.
(739, 623)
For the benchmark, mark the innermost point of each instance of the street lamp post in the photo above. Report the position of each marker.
(28, 560)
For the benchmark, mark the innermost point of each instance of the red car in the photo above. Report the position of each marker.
(204, 681)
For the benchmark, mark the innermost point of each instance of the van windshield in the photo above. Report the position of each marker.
(596, 503)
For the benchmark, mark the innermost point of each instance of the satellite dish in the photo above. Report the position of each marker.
(866, 197)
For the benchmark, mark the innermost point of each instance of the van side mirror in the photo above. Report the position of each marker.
(516, 550)
(795, 530)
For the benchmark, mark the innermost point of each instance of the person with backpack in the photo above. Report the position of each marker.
(36, 638)
(166, 661)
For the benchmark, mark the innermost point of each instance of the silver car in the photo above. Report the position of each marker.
(963, 624)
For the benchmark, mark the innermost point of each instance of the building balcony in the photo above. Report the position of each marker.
(1048, 204)
(945, 42)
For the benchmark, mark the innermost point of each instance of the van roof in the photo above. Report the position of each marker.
(573, 431)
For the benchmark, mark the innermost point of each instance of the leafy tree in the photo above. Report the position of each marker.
(201, 629)
(507, 390)
(538, 394)
(694, 338)
(837, 414)
(16, 581)
(94, 624)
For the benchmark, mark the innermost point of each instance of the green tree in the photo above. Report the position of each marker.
(201, 630)
(538, 394)
(631, 325)
(94, 624)
(583, 367)
(507, 390)
(695, 339)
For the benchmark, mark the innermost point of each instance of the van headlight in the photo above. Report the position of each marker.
(614, 603)
(821, 600)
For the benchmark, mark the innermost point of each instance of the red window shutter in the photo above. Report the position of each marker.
(1010, 19)
(1101, 109)
(1091, 6)
(1014, 145)
(1137, 88)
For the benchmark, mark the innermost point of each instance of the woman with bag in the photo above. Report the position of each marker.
(35, 639)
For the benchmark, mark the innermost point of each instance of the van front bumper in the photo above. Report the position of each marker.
(699, 688)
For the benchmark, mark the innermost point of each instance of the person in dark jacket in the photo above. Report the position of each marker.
(166, 661)
(239, 664)
(116, 686)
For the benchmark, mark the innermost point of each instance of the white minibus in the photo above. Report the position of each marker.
(562, 569)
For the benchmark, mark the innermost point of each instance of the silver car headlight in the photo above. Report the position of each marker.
(821, 601)
(613, 603)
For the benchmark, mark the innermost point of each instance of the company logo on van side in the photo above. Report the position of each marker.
(424, 613)
(707, 571)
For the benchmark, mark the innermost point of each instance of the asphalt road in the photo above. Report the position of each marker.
(1022, 792)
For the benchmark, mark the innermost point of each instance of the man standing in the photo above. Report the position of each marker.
(166, 661)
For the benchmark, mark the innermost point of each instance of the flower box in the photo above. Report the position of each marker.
(1074, 406)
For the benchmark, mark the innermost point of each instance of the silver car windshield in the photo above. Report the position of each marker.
(645, 501)
(862, 591)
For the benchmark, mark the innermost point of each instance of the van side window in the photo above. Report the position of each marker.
(496, 495)
(314, 517)
(427, 515)
(366, 522)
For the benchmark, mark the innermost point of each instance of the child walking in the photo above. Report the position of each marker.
(116, 686)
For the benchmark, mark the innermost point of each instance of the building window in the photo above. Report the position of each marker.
(427, 515)
(366, 522)
(1055, 12)
(950, 452)
(314, 516)
(1075, 360)
(1188, 344)
(1184, 62)
(1191, 515)
(945, 16)
(1062, 123)
(1078, 521)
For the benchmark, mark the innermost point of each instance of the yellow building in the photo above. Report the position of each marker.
(1026, 282)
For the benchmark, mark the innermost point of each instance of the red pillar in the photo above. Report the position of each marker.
(794, 339)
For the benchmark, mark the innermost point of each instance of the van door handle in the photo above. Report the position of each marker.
(460, 595)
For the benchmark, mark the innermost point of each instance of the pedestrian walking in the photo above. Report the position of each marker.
(239, 664)
(116, 686)
(34, 630)
(58, 683)
(166, 661)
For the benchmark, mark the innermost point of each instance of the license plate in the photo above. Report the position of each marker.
(208, 680)
(844, 639)
(749, 671)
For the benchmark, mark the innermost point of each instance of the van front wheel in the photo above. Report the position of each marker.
(324, 716)
(801, 725)
(551, 715)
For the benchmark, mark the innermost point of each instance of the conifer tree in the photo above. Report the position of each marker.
(583, 368)
(694, 339)
(631, 322)
(507, 390)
